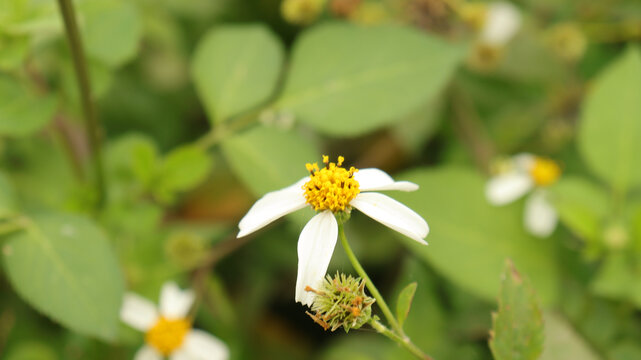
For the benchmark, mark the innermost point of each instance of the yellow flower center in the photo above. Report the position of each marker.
(167, 335)
(544, 171)
(331, 187)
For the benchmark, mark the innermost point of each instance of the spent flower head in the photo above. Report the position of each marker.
(333, 191)
(168, 331)
(341, 301)
(519, 175)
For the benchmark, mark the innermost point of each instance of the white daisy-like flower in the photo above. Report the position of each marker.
(332, 190)
(168, 331)
(502, 21)
(523, 174)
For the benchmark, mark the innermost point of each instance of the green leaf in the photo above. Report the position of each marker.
(112, 30)
(610, 127)
(63, 266)
(517, 327)
(470, 239)
(7, 196)
(182, 169)
(404, 302)
(619, 278)
(347, 80)
(582, 206)
(562, 342)
(32, 350)
(236, 68)
(22, 112)
(268, 159)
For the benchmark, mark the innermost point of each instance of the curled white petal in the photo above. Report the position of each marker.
(505, 188)
(200, 345)
(378, 180)
(175, 303)
(501, 24)
(138, 312)
(315, 248)
(392, 214)
(273, 206)
(147, 353)
(540, 217)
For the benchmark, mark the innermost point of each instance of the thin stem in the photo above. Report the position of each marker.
(231, 126)
(368, 282)
(84, 85)
(404, 342)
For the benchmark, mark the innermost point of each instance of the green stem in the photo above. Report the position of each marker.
(368, 282)
(227, 127)
(84, 85)
(404, 342)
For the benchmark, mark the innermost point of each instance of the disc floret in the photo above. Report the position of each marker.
(332, 187)
(544, 172)
(167, 334)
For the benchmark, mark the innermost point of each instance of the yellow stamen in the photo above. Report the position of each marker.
(167, 335)
(332, 187)
(545, 171)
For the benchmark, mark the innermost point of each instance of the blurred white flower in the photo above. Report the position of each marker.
(527, 173)
(333, 190)
(502, 21)
(167, 329)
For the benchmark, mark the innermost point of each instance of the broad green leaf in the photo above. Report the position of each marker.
(235, 68)
(182, 169)
(63, 266)
(619, 278)
(404, 302)
(268, 159)
(31, 350)
(517, 326)
(7, 196)
(347, 80)
(133, 156)
(610, 127)
(14, 50)
(112, 30)
(562, 342)
(21, 111)
(582, 206)
(470, 239)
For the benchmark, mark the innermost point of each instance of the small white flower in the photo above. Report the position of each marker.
(331, 190)
(167, 329)
(527, 173)
(502, 22)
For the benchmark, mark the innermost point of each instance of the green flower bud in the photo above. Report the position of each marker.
(341, 301)
(185, 249)
(301, 12)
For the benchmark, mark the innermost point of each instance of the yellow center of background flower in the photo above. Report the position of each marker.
(544, 171)
(332, 187)
(167, 335)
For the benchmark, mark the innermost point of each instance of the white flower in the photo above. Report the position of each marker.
(331, 190)
(527, 173)
(502, 21)
(167, 329)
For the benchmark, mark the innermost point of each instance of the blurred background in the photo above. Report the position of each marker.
(203, 106)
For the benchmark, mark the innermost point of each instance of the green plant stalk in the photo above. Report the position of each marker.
(404, 342)
(84, 85)
(368, 282)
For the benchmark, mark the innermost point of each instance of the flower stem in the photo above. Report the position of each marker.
(84, 85)
(368, 282)
(404, 342)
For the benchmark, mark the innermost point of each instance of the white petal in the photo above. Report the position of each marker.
(505, 188)
(540, 217)
(523, 162)
(315, 248)
(272, 206)
(138, 312)
(199, 345)
(175, 303)
(147, 353)
(392, 214)
(378, 180)
(501, 24)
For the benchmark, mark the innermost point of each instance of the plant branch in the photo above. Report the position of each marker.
(404, 342)
(84, 86)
